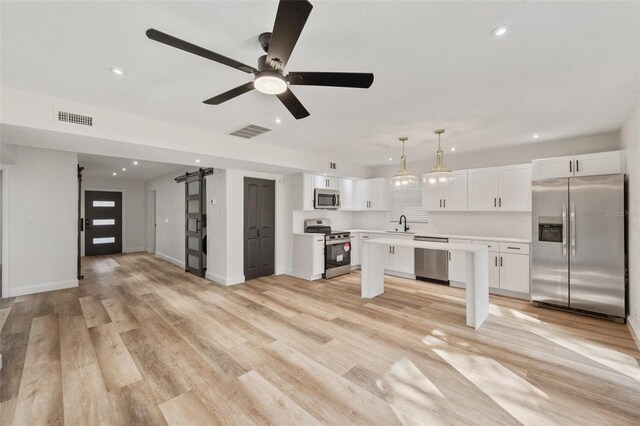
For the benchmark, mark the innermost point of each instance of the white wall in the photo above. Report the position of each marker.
(170, 216)
(217, 226)
(133, 207)
(41, 193)
(0, 217)
(631, 142)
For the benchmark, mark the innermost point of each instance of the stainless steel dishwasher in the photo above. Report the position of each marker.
(432, 264)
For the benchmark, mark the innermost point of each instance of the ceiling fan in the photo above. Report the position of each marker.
(269, 76)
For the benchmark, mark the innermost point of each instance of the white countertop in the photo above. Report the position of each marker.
(308, 234)
(427, 244)
(454, 236)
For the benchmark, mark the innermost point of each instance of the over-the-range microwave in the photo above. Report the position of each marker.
(326, 199)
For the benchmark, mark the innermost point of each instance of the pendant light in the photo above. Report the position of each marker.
(403, 179)
(439, 174)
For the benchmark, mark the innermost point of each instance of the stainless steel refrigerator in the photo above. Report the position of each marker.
(578, 247)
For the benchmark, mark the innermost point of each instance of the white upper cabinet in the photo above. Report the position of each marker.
(483, 189)
(452, 197)
(514, 188)
(372, 194)
(325, 182)
(505, 188)
(600, 163)
(346, 194)
(550, 168)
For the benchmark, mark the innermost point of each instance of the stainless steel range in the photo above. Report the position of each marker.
(337, 247)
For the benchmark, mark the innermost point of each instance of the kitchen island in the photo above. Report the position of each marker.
(477, 272)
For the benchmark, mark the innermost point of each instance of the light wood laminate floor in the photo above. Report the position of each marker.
(141, 342)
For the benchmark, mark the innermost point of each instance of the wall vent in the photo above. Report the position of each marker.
(250, 131)
(73, 118)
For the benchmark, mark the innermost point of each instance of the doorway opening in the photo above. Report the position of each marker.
(259, 227)
(152, 220)
(103, 222)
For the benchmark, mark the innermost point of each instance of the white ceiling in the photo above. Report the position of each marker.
(564, 69)
(101, 166)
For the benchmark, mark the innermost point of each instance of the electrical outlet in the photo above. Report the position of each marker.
(30, 222)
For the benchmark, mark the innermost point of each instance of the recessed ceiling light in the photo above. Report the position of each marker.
(453, 149)
(500, 31)
(115, 174)
(536, 136)
(117, 71)
(390, 158)
(278, 120)
(124, 169)
(197, 160)
(135, 163)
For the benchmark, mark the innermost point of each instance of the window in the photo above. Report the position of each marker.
(104, 204)
(101, 222)
(408, 202)
(104, 240)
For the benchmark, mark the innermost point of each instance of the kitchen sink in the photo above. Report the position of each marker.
(400, 232)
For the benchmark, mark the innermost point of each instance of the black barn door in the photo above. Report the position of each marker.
(259, 227)
(103, 222)
(195, 224)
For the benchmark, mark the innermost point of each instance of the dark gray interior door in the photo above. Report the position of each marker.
(195, 224)
(259, 227)
(103, 222)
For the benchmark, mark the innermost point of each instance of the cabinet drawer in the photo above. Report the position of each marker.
(517, 248)
(490, 245)
(318, 241)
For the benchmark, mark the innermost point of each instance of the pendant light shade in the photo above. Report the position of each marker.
(403, 179)
(439, 174)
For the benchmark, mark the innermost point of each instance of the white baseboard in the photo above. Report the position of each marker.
(41, 288)
(132, 250)
(171, 260)
(634, 328)
(220, 279)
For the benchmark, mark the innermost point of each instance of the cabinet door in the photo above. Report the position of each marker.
(362, 194)
(514, 188)
(403, 260)
(454, 196)
(458, 263)
(318, 259)
(346, 194)
(379, 194)
(308, 186)
(355, 250)
(388, 259)
(494, 270)
(550, 168)
(483, 189)
(321, 181)
(601, 163)
(431, 197)
(514, 272)
(332, 183)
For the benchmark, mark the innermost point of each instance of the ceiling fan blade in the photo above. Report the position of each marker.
(290, 20)
(335, 79)
(293, 104)
(172, 41)
(230, 94)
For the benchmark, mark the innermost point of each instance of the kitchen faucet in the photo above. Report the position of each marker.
(406, 228)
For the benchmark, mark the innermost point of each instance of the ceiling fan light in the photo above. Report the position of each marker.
(270, 83)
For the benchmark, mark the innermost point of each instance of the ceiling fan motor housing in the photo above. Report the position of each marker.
(265, 40)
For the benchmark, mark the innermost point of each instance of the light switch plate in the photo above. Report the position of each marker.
(166, 220)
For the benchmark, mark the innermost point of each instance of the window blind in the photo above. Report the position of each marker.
(408, 202)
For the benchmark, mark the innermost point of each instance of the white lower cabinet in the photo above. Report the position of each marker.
(458, 265)
(356, 251)
(494, 269)
(514, 272)
(308, 256)
(400, 260)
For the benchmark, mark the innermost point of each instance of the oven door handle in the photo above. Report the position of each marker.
(334, 242)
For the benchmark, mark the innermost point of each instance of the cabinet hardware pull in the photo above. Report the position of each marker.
(495, 202)
(514, 248)
(577, 165)
(500, 202)
(496, 260)
(440, 203)
(500, 261)
(444, 203)
(570, 166)
(449, 256)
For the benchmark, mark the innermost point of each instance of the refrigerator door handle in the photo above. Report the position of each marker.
(572, 221)
(564, 229)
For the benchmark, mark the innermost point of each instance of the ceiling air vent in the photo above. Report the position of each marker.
(250, 131)
(73, 118)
